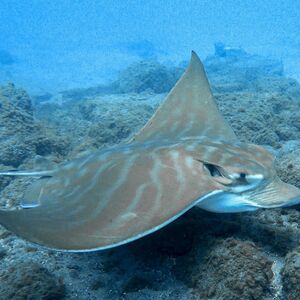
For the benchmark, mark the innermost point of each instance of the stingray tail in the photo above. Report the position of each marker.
(43, 167)
(46, 173)
(34, 191)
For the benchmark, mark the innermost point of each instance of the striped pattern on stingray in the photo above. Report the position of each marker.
(185, 155)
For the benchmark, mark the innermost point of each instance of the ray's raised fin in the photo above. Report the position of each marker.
(189, 110)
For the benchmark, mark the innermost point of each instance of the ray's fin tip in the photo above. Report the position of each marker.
(195, 62)
(194, 55)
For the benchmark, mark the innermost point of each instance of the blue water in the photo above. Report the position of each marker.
(55, 45)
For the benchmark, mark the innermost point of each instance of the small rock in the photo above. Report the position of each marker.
(3, 253)
(136, 283)
(148, 75)
(291, 275)
(230, 269)
(288, 167)
(98, 284)
(30, 281)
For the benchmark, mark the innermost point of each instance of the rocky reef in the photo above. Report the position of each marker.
(21, 136)
(201, 255)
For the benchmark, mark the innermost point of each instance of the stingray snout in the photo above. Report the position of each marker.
(276, 194)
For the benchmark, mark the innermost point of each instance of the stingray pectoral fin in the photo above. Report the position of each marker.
(60, 232)
(111, 203)
(189, 110)
(276, 194)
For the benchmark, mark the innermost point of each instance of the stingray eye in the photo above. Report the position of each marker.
(213, 170)
(242, 178)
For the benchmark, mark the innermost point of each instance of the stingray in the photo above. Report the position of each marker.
(186, 155)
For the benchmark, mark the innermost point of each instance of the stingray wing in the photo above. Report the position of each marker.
(101, 203)
(188, 111)
(108, 200)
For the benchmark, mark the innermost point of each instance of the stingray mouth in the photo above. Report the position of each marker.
(272, 195)
(275, 194)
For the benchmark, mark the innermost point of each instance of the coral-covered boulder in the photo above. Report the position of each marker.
(148, 75)
(30, 281)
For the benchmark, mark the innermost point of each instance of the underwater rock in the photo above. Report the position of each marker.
(291, 275)
(276, 229)
(148, 75)
(47, 143)
(232, 70)
(121, 131)
(14, 153)
(230, 269)
(42, 98)
(222, 50)
(3, 252)
(77, 94)
(137, 283)
(104, 120)
(240, 63)
(4, 181)
(16, 124)
(88, 110)
(17, 97)
(288, 146)
(250, 114)
(21, 135)
(279, 85)
(30, 281)
(288, 167)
